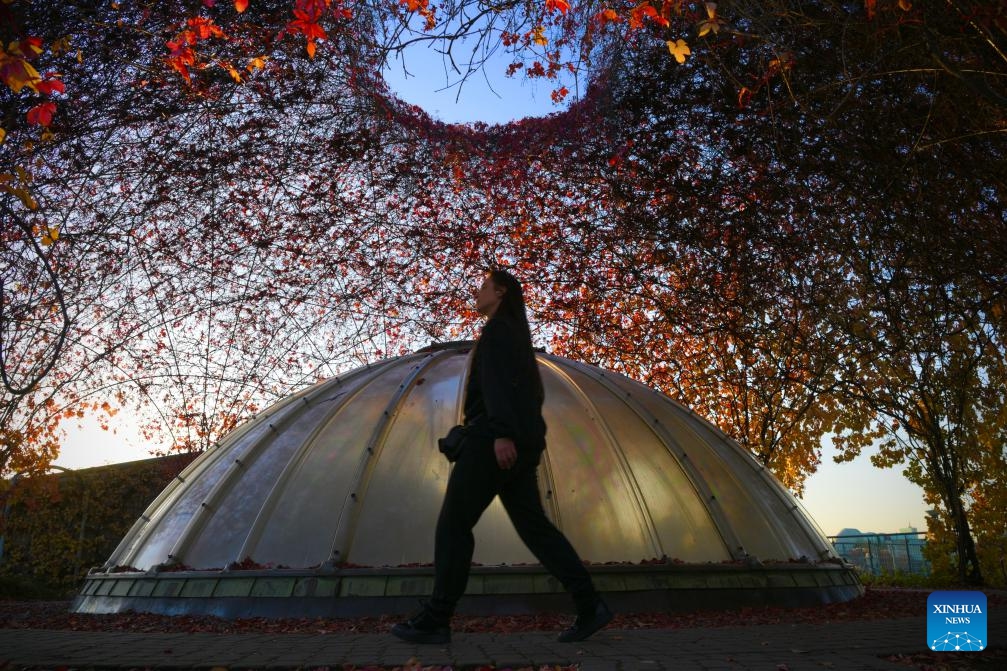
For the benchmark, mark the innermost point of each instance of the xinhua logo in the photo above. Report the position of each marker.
(956, 622)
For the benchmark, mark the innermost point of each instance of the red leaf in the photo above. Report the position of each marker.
(41, 114)
(48, 86)
(29, 48)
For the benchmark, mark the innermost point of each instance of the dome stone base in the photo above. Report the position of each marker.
(491, 590)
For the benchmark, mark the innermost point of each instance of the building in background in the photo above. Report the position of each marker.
(883, 553)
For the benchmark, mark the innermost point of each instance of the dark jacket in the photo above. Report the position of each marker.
(502, 397)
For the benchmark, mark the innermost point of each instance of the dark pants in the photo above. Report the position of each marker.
(475, 480)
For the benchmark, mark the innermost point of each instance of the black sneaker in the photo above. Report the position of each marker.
(587, 624)
(424, 627)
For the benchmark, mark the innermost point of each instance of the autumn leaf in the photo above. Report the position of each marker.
(18, 73)
(679, 49)
(562, 6)
(28, 48)
(712, 22)
(235, 75)
(20, 193)
(559, 94)
(871, 7)
(306, 23)
(41, 114)
(256, 63)
(49, 86)
(905, 5)
(50, 236)
(205, 28)
(538, 36)
(646, 10)
(241, 5)
(744, 96)
(607, 16)
(3, 135)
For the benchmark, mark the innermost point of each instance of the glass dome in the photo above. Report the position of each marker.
(330, 498)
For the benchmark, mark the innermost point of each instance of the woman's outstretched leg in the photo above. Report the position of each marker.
(523, 504)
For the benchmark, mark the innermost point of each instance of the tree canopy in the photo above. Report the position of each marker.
(789, 216)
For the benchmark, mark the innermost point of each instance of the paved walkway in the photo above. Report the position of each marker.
(781, 647)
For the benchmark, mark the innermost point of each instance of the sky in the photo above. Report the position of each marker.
(850, 495)
(488, 95)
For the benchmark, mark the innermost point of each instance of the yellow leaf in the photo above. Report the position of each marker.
(235, 75)
(538, 36)
(60, 46)
(22, 195)
(50, 236)
(80, 56)
(20, 73)
(679, 49)
(712, 23)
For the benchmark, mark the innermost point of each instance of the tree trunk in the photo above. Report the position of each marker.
(969, 572)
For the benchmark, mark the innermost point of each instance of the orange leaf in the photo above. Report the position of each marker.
(41, 114)
(608, 16)
(241, 5)
(256, 63)
(744, 96)
(311, 48)
(905, 5)
(562, 6)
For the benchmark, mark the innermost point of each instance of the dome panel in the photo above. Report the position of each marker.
(406, 478)
(314, 498)
(156, 542)
(598, 509)
(681, 522)
(756, 510)
(235, 506)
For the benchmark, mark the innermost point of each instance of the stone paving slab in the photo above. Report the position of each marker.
(853, 646)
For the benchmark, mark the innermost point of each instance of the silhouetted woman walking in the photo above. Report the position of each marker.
(499, 457)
